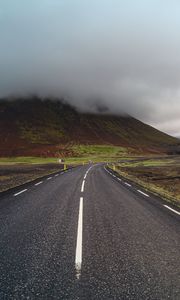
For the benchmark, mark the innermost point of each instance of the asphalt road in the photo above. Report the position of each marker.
(86, 234)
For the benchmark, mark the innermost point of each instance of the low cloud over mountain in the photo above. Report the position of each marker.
(121, 56)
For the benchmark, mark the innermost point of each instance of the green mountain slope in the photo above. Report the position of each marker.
(38, 127)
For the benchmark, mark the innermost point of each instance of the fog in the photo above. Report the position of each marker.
(122, 56)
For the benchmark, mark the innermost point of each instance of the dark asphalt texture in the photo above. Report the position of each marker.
(130, 249)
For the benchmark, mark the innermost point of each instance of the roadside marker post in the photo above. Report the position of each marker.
(65, 167)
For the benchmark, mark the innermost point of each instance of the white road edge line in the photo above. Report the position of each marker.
(116, 177)
(175, 211)
(38, 183)
(20, 192)
(78, 257)
(82, 187)
(128, 184)
(56, 175)
(143, 193)
(49, 178)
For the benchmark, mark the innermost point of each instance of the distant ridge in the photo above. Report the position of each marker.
(36, 127)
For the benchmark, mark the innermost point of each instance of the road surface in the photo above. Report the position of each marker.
(85, 234)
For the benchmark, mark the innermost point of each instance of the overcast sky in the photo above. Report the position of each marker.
(124, 54)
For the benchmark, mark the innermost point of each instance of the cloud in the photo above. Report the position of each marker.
(114, 55)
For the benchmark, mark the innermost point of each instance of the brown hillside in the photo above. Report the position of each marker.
(49, 128)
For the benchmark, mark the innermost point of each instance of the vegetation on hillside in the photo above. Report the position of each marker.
(44, 127)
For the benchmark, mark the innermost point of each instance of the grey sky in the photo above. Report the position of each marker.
(121, 53)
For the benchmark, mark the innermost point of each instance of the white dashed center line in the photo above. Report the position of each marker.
(78, 257)
(20, 192)
(82, 187)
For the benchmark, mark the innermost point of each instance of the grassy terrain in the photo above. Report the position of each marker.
(83, 153)
(27, 160)
(15, 171)
(157, 174)
(97, 153)
(40, 134)
(15, 174)
(160, 175)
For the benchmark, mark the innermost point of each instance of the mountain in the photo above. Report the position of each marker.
(36, 127)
